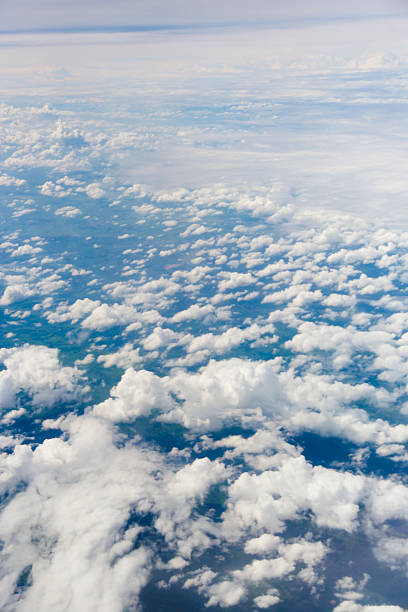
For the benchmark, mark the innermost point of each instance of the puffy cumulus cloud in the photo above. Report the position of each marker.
(210, 343)
(269, 599)
(36, 370)
(232, 280)
(259, 447)
(81, 490)
(264, 502)
(106, 315)
(137, 394)
(161, 337)
(238, 388)
(67, 529)
(389, 502)
(392, 551)
(349, 589)
(95, 191)
(325, 405)
(220, 392)
(124, 358)
(79, 309)
(195, 479)
(71, 530)
(301, 297)
(225, 594)
(300, 557)
(15, 292)
(223, 391)
(247, 391)
(265, 543)
(56, 191)
(68, 211)
(308, 553)
(31, 278)
(337, 349)
(352, 606)
(193, 312)
(151, 294)
(26, 249)
(11, 181)
(388, 352)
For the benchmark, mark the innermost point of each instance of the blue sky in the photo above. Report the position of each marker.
(24, 14)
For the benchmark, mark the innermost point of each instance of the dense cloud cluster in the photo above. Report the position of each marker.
(273, 335)
(204, 389)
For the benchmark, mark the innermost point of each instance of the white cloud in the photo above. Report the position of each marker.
(73, 509)
(124, 358)
(37, 371)
(95, 191)
(15, 292)
(193, 313)
(351, 606)
(225, 594)
(137, 394)
(106, 315)
(269, 599)
(266, 501)
(160, 337)
(223, 391)
(195, 479)
(68, 211)
(76, 311)
(8, 181)
(26, 249)
(232, 280)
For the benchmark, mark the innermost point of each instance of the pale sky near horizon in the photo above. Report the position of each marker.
(333, 128)
(24, 14)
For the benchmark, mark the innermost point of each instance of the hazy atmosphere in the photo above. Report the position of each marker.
(203, 358)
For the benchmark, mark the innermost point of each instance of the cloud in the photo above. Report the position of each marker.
(315, 319)
(124, 358)
(269, 599)
(95, 191)
(351, 606)
(37, 371)
(15, 292)
(264, 502)
(232, 280)
(137, 394)
(26, 249)
(72, 530)
(8, 181)
(195, 479)
(105, 316)
(74, 539)
(223, 391)
(225, 594)
(68, 211)
(193, 313)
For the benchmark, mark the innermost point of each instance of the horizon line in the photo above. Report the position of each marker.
(118, 29)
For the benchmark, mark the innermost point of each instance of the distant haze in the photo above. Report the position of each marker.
(25, 14)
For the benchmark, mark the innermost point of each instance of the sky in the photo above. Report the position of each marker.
(24, 14)
(328, 100)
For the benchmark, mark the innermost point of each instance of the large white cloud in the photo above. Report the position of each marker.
(69, 523)
(37, 371)
(137, 394)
